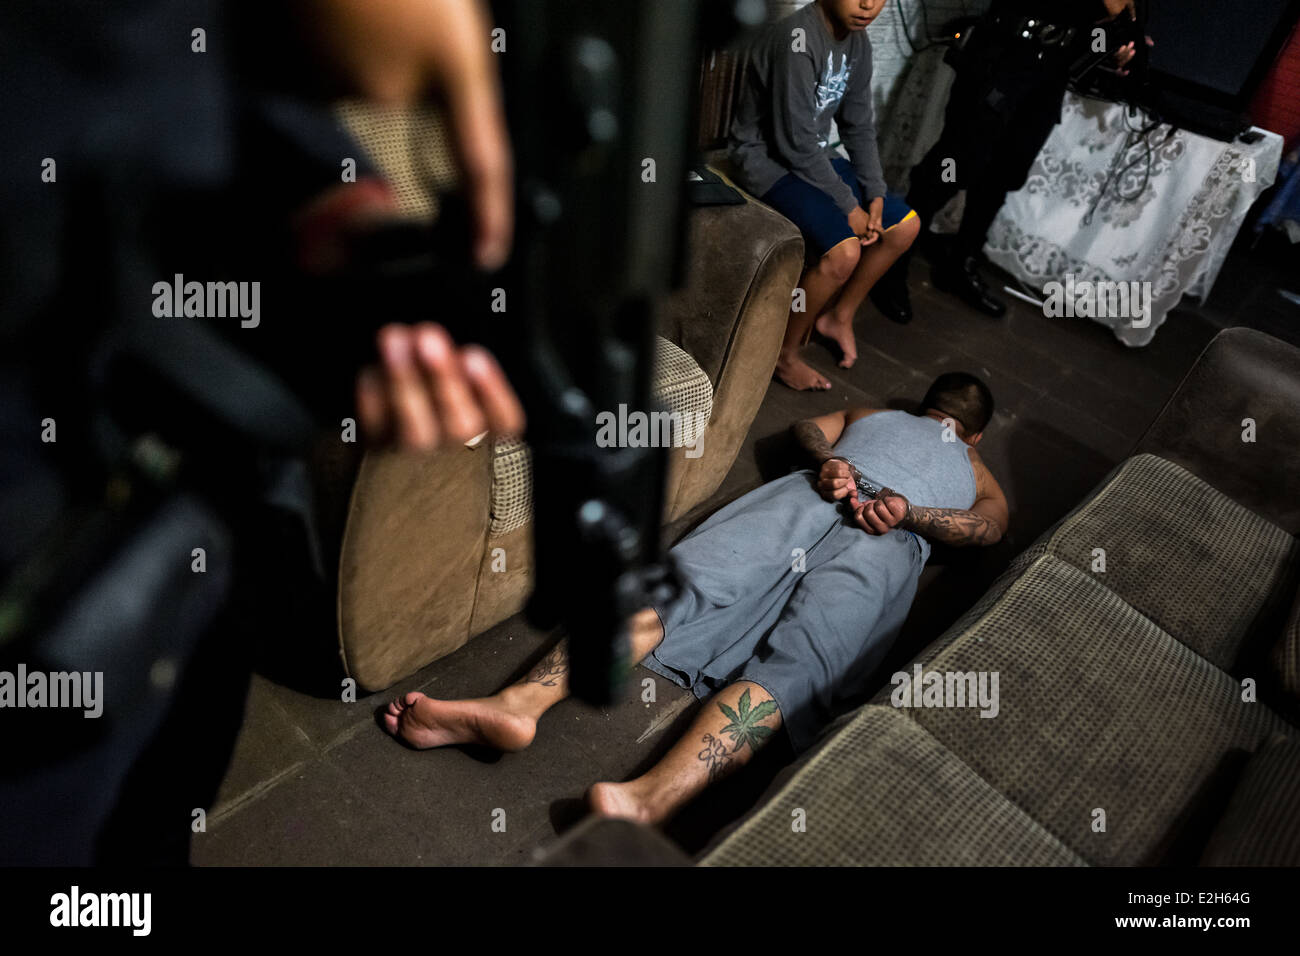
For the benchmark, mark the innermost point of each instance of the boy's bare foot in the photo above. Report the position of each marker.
(841, 333)
(620, 801)
(799, 375)
(423, 722)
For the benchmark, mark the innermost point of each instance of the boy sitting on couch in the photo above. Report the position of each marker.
(808, 68)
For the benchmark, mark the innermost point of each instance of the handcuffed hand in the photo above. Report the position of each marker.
(881, 514)
(835, 481)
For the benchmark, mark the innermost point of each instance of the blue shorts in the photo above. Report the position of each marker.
(817, 216)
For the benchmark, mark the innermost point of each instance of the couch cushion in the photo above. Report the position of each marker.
(409, 146)
(1196, 563)
(883, 791)
(1286, 654)
(403, 554)
(679, 387)
(1242, 376)
(512, 486)
(1099, 709)
(1262, 824)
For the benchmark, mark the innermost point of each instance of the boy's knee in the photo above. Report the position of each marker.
(840, 260)
(907, 231)
(900, 238)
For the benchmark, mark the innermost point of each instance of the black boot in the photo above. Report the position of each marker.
(889, 294)
(959, 275)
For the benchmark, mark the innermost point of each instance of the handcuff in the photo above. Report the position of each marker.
(872, 490)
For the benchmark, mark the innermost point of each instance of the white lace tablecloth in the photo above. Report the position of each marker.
(1174, 233)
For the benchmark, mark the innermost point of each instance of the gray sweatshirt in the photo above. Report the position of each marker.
(794, 84)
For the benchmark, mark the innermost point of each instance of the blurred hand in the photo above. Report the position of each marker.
(398, 52)
(426, 391)
(1126, 53)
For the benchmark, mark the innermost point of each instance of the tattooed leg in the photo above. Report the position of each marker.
(508, 719)
(734, 724)
(548, 682)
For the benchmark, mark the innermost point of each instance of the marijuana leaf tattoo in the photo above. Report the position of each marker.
(744, 727)
(744, 730)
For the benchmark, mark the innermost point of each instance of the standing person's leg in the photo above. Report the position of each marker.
(1012, 152)
(836, 322)
(960, 160)
(508, 719)
(931, 183)
(1011, 157)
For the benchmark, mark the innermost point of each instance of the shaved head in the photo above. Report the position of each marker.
(963, 397)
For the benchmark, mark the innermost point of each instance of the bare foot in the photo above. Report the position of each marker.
(423, 722)
(799, 375)
(620, 801)
(841, 333)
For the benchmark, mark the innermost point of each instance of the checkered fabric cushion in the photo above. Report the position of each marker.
(680, 386)
(1262, 824)
(410, 147)
(1191, 559)
(884, 792)
(1098, 710)
(1286, 655)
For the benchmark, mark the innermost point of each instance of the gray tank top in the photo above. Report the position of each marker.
(908, 454)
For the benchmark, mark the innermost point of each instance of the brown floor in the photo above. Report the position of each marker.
(315, 781)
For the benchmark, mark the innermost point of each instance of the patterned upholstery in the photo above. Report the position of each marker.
(680, 386)
(1286, 656)
(1262, 824)
(410, 147)
(884, 792)
(1191, 559)
(1099, 708)
(512, 486)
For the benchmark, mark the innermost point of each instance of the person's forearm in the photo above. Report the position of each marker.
(865, 156)
(813, 441)
(952, 526)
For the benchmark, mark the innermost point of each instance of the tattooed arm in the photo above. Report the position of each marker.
(816, 436)
(954, 526)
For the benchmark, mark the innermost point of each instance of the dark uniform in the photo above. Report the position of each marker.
(1011, 78)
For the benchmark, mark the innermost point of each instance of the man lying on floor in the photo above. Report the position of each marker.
(792, 596)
